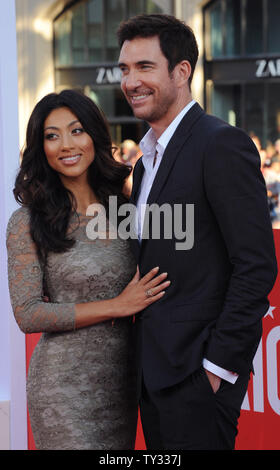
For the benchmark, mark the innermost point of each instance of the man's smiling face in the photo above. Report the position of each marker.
(148, 86)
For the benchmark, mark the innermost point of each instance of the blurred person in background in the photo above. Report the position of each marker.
(116, 151)
(127, 146)
(262, 152)
(131, 154)
(276, 155)
(270, 150)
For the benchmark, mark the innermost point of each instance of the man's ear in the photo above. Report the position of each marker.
(182, 72)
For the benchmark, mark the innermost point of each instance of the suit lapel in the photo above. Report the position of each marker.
(137, 178)
(179, 138)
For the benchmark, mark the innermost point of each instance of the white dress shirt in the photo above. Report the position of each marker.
(150, 146)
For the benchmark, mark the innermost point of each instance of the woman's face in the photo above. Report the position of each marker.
(69, 149)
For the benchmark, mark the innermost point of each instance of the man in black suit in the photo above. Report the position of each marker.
(197, 343)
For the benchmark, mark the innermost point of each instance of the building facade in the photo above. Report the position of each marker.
(242, 64)
(73, 44)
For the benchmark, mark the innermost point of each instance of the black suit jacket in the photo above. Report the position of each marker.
(218, 293)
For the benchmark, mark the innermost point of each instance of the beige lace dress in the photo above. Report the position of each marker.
(81, 386)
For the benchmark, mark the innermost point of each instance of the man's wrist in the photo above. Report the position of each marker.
(219, 371)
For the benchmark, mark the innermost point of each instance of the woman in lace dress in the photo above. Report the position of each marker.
(81, 386)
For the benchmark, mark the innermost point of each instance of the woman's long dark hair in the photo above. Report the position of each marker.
(39, 187)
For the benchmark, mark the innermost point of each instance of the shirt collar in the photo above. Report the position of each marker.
(149, 144)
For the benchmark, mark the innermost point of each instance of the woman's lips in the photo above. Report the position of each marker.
(71, 159)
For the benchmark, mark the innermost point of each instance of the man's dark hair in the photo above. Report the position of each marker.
(177, 40)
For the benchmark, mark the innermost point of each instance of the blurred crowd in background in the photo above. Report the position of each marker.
(270, 166)
(128, 153)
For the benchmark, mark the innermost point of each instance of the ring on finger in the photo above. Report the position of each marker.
(149, 293)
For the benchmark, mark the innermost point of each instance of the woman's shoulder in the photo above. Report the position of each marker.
(19, 218)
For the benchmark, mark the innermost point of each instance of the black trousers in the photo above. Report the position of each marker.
(190, 416)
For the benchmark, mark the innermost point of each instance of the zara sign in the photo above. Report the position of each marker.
(268, 68)
(108, 75)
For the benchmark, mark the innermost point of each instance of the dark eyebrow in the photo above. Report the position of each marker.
(144, 62)
(56, 128)
(141, 62)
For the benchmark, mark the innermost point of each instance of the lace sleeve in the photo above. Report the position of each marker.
(26, 283)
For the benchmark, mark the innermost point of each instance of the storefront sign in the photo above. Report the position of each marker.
(268, 68)
(108, 75)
